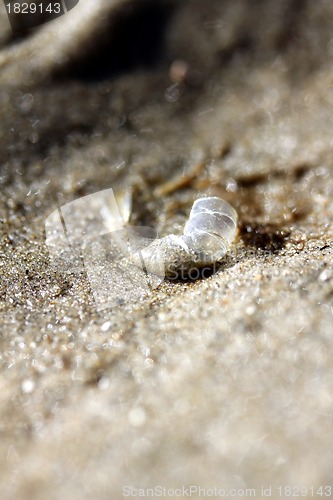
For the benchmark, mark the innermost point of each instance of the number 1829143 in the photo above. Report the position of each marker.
(33, 8)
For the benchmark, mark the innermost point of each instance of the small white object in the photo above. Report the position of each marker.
(207, 235)
(137, 416)
(106, 326)
(28, 386)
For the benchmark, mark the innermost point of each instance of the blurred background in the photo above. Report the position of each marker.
(221, 382)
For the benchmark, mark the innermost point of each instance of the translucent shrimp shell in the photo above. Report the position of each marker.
(207, 235)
